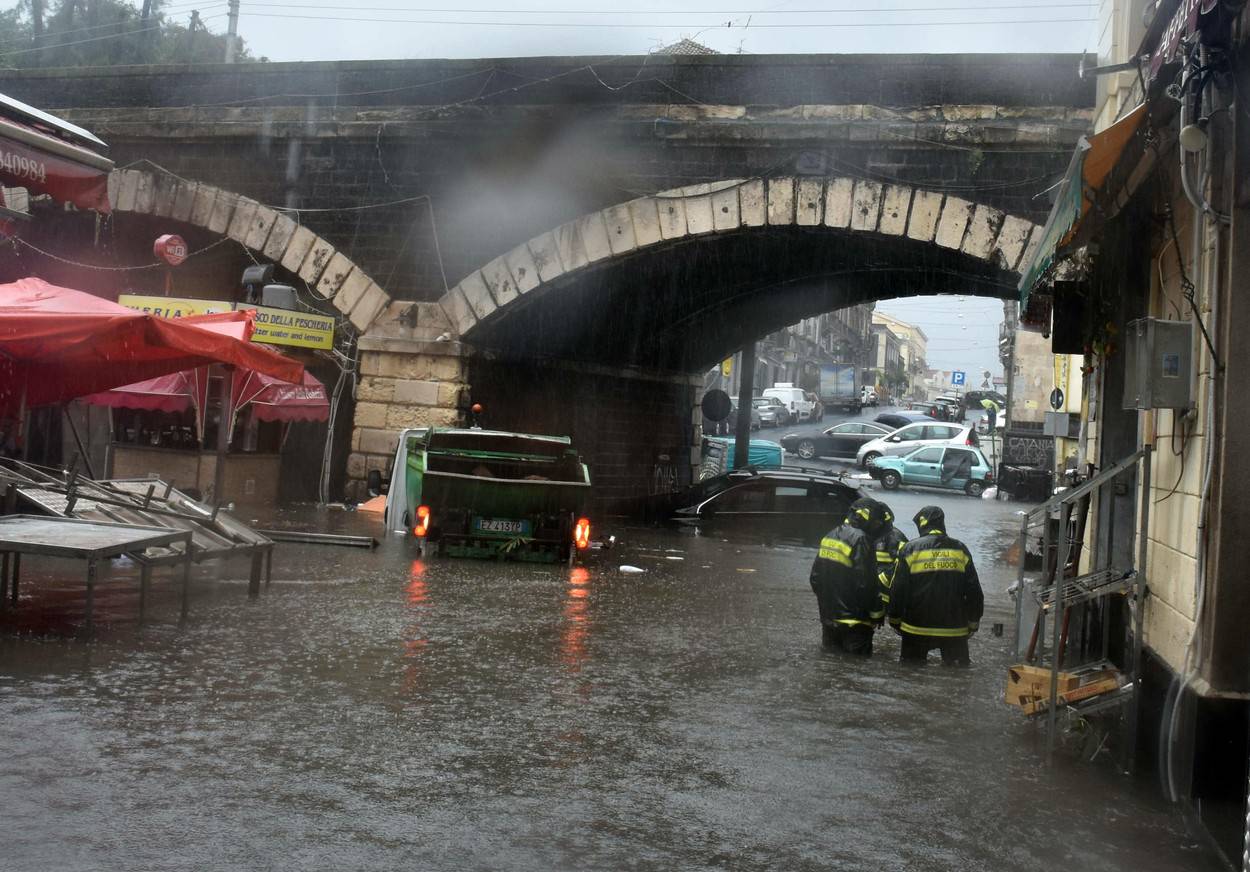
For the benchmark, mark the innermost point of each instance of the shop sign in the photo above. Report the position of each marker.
(288, 327)
(1184, 23)
(273, 326)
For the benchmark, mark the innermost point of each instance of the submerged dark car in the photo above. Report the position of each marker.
(791, 504)
(841, 440)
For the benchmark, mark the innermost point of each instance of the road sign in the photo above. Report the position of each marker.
(1056, 399)
(957, 377)
(727, 366)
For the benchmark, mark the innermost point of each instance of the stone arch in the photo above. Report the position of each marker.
(839, 204)
(268, 232)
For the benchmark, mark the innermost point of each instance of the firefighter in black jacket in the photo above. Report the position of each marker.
(888, 541)
(936, 600)
(844, 580)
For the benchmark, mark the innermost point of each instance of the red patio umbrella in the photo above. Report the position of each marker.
(270, 399)
(57, 344)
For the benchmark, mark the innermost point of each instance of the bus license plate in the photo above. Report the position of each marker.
(501, 525)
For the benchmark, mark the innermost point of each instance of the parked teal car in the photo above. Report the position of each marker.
(946, 466)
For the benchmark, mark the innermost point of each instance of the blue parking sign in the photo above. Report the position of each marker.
(957, 377)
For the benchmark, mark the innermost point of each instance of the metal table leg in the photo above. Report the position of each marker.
(17, 571)
(4, 581)
(91, 573)
(186, 583)
(268, 566)
(145, 580)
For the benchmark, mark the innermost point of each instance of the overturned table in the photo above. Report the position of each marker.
(92, 541)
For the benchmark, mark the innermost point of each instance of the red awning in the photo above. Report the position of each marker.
(273, 400)
(57, 344)
(46, 165)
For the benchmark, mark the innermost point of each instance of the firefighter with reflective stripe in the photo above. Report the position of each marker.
(845, 582)
(888, 541)
(936, 599)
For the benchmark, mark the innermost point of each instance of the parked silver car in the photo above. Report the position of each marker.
(771, 410)
(906, 439)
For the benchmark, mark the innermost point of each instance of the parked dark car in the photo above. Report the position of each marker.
(775, 504)
(894, 420)
(842, 440)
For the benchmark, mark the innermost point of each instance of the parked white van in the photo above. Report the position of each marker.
(794, 399)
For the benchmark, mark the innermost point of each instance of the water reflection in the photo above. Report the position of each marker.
(414, 636)
(576, 621)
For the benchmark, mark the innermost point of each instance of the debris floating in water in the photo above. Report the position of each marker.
(631, 570)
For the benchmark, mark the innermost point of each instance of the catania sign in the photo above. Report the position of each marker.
(273, 326)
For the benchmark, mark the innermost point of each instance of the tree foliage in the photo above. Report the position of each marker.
(77, 33)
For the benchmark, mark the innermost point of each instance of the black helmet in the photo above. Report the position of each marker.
(861, 514)
(930, 518)
(887, 515)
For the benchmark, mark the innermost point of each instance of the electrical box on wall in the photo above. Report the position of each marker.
(1065, 425)
(1158, 364)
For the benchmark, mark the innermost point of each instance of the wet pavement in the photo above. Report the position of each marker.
(375, 711)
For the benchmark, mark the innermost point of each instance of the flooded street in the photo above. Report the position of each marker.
(375, 711)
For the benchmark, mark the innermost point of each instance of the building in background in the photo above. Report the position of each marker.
(913, 351)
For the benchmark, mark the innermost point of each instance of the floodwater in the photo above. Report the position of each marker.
(375, 711)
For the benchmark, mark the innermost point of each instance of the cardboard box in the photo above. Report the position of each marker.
(1085, 691)
(1026, 683)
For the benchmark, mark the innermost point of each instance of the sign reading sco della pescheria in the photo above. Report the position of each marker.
(273, 326)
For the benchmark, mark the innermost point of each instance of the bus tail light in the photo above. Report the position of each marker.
(581, 534)
(423, 521)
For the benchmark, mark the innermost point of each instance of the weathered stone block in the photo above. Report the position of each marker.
(956, 213)
(620, 226)
(145, 193)
(725, 211)
(279, 237)
(114, 188)
(523, 269)
(320, 253)
(184, 201)
(458, 311)
(699, 216)
(839, 202)
(895, 203)
(350, 290)
(866, 205)
(569, 245)
(449, 393)
(646, 216)
(375, 389)
(356, 466)
(753, 203)
(809, 209)
(926, 209)
(164, 193)
(373, 441)
(128, 186)
(672, 211)
(411, 392)
(202, 206)
(296, 251)
(223, 209)
(546, 256)
(403, 417)
(1012, 237)
(241, 220)
(781, 201)
(498, 279)
(335, 273)
(260, 225)
(478, 295)
(594, 236)
(982, 232)
(371, 414)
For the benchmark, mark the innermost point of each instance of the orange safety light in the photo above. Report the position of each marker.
(423, 521)
(581, 534)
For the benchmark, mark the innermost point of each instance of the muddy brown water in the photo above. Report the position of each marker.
(375, 711)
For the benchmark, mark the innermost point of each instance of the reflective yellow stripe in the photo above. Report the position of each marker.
(886, 581)
(863, 513)
(884, 556)
(853, 622)
(934, 631)
(938, 560)
(835, 550)
(877, 615)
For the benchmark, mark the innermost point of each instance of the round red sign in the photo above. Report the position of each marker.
(170, 248)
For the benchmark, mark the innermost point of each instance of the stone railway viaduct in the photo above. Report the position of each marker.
(571, 241)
